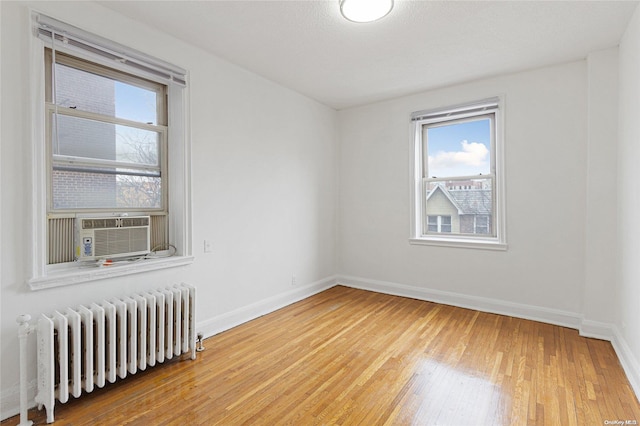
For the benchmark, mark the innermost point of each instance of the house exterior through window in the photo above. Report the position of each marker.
(458, 176)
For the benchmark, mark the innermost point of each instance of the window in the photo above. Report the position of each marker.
(439, 223)
(107, 138)
(103, 147)
(458, 177)
(481, 224)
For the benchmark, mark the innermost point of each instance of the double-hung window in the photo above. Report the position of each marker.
(105, 150)
(458, 195)
(107, 138)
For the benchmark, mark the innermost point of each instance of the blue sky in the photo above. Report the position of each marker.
(135, 103)
(461, 149)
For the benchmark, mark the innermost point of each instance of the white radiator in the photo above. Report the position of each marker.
(79, 349)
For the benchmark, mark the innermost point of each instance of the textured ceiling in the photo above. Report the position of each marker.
(307, 46)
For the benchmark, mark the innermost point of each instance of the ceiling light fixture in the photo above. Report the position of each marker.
(365, 10)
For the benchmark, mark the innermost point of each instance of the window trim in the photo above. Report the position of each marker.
(418, 231)
(86, 45)
(41, 274)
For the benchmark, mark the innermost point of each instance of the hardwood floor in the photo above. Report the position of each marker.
(348, 356)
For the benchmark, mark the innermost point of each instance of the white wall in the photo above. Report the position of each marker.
(627, 297)
(264, 186)
(545, 148)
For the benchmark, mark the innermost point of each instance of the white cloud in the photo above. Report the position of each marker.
(471, 160)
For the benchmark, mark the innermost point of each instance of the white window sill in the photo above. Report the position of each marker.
(75, 274)
(471, 243)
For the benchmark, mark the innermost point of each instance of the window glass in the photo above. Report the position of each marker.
(482, 224)
(446, 224)
(471, 200)
(92, 139)
(433, 223)
(87, 91)
(458, 149)
(135, 103)
(78, 188)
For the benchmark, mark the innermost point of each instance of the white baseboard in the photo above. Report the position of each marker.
(484, 304)
(241, 315)
(586, 328)
(596, 330)
(627, 360)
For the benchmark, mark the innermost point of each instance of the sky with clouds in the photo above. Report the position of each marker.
(460, 149)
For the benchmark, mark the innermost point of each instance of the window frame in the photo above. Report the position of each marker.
(178, 186)
(51, 110)
(419, 233)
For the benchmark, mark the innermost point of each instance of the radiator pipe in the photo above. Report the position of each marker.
(24, 329)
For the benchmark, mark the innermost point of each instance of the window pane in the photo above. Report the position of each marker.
(80, 137)
(462, 205)
(458, 149)
(482, 224)
(78, 189)
(86, 91)
(432, 223)
(445, 224)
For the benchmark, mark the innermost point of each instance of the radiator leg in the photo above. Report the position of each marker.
(200, 346)
(23, 331)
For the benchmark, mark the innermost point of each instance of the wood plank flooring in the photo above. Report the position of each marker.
(348, 356)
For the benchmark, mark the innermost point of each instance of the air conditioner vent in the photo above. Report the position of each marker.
(134, 221)
(115, 222)
(101, 223)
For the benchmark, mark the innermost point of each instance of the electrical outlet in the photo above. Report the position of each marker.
(294, 280)
(208, 246)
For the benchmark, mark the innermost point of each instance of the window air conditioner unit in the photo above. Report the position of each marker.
(111, 237)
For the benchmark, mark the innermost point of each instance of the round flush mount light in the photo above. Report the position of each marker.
(365, 10)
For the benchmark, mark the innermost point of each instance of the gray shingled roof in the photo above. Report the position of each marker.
(472, 201)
